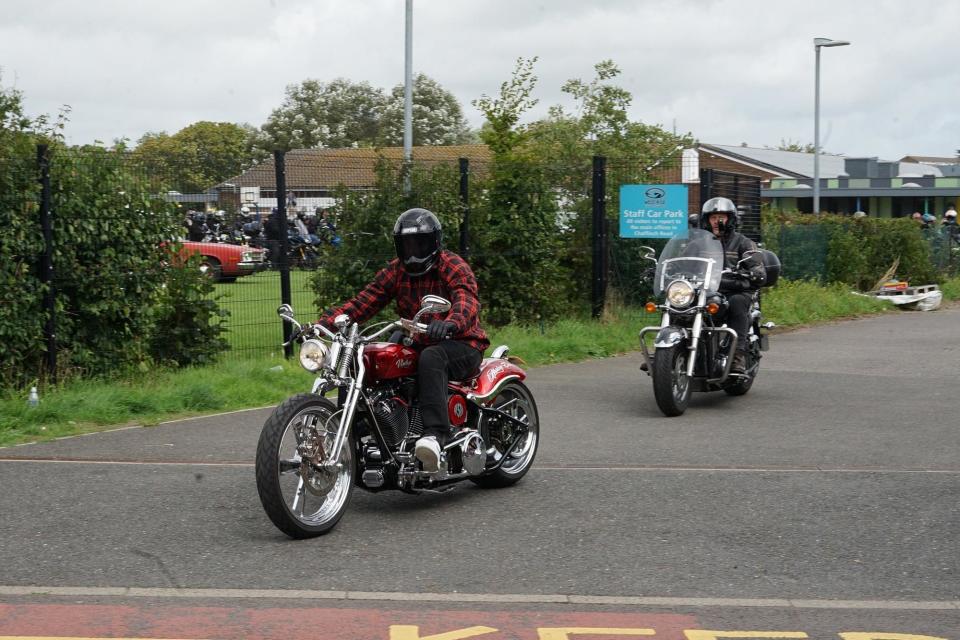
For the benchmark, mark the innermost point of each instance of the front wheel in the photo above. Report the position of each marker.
(303, 491)
(671, 385)
(516, 401)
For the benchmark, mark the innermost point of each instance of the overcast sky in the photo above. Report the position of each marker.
(727, 71)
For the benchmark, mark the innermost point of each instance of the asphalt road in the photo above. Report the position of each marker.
(824, 501)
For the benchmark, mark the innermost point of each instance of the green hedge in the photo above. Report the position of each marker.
(515, 243)
(853, 251)
(120, 302)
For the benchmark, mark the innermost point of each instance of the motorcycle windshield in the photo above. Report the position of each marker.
(698, 259)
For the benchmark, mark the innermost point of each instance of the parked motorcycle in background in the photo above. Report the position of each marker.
(313, 451)
(693, 347)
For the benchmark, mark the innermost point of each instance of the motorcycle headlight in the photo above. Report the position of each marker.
(680, 294)
(313, 355)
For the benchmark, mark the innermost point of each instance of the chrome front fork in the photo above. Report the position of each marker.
(694, 342)
(349, 409)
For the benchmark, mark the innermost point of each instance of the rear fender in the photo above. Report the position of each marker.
(494, 372)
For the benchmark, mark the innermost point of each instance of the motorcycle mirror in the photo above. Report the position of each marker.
(284, 310)
(434, 304)
(341, 321)
(649, 253)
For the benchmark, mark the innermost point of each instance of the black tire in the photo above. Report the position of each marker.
(671, 386)
(519, 403)
(211, 267)
(228, 280)
(275, 479)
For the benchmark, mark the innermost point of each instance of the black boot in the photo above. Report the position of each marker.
(739, 362)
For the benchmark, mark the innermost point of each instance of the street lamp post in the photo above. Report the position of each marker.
(408, 96)
(817, 43)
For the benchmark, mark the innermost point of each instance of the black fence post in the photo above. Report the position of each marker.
(46, 262)
(599, 235)
(465, 206)
(282, 243)
(753, 195)
(706, 185)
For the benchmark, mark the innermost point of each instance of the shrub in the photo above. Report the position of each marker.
(187, 321)
(117, 304)
(854, 251)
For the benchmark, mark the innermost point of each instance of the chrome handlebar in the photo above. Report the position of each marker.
(408, 326)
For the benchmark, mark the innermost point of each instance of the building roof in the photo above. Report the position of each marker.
(796, 164)
(930, 159)
(352, 168)
(786, 164)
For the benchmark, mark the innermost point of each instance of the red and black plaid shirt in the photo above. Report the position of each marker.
(451, 278)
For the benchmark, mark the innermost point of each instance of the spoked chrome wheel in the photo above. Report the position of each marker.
(671, 385)
(516, 401)
(303, 490)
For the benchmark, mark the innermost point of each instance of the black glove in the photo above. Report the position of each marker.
(440, 329)
(757, 277)
(730, 281)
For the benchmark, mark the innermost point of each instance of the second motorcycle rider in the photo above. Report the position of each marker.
(720, 217)
(454, 344)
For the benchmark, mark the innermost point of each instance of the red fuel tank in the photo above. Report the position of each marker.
(385, 360)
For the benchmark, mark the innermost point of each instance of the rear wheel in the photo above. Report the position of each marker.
(516, 401)
(671, 386)
(303, 491)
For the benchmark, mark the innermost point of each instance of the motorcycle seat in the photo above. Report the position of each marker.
(469, 381)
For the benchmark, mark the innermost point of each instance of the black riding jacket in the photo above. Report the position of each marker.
(751, 274)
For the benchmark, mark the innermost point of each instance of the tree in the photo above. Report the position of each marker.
(21, 242)
(518, 240)
(600, 125)
(636, 152)
(316, 114)
(347, 114)
(790, 145)
(437, 116)
(198, 156)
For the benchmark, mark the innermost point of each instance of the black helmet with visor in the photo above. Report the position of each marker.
(417, 236)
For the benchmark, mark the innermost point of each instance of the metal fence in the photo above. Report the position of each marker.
(320, 223)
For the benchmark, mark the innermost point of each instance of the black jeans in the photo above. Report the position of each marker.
(738, 316)
(439, 363)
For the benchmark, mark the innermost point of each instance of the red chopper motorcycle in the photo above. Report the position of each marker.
(313, 451)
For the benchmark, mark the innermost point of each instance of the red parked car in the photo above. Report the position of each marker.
(226, 262)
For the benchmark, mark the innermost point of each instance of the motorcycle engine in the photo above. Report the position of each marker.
(393, 417)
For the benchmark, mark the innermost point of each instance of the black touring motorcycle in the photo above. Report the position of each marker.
(693, 348)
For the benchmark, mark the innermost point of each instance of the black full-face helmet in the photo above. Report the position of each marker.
(417, 236)
(720, 205)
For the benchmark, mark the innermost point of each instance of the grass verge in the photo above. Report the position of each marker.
(92, 405)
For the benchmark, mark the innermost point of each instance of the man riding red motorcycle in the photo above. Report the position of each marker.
(453, 345)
